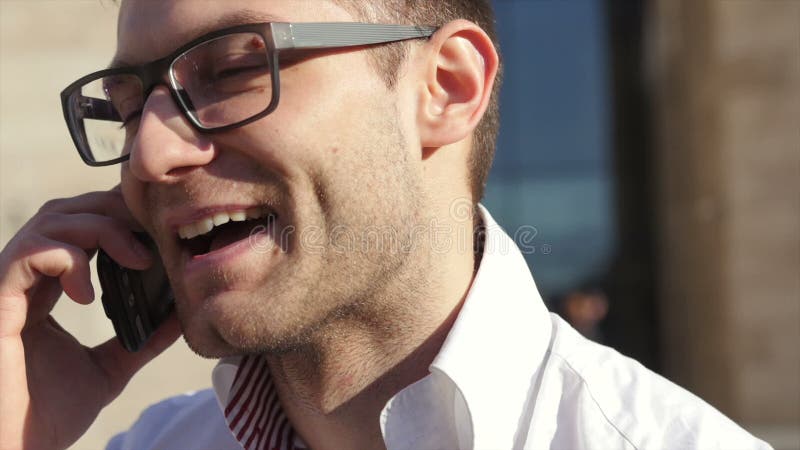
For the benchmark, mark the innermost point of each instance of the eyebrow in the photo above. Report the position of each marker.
(231, 19)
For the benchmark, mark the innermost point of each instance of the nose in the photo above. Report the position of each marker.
(166, 142)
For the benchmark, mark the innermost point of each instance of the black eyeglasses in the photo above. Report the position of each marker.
(223, 80)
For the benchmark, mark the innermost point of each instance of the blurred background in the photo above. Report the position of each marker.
(654, 146)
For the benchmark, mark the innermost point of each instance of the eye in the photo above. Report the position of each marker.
(241, 65)
(124, 94)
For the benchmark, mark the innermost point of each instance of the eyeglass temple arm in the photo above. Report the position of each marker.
(334, 34)
(97, 109)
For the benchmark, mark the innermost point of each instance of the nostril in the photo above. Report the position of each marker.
(180, 171)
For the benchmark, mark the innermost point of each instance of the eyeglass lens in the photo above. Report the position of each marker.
(220, 82)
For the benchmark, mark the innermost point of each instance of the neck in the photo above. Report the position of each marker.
(333, 390)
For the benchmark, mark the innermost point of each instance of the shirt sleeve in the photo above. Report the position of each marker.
(191, 421)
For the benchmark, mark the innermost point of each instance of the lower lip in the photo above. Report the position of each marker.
(226, 255)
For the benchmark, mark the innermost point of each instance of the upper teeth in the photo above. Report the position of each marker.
(207, 224)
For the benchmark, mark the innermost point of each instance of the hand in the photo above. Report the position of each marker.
(51, 387)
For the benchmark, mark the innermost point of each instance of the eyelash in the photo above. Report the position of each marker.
(133, 116)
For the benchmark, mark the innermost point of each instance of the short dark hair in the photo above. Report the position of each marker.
(389, 58)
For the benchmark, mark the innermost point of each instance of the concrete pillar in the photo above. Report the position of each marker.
(725, 78)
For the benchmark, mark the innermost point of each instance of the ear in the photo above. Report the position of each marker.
(460, 67)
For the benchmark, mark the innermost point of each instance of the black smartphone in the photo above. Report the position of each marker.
(136, 301)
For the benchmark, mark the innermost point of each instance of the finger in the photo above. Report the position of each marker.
(67, 263)
(105, 203)
(90, 231)
(121, 365)
(37, 258)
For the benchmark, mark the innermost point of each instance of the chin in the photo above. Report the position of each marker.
(236, 327)
(204, 340)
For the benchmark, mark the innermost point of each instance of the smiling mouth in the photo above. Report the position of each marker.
(224, 229)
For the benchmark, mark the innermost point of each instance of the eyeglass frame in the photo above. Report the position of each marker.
(277, 36)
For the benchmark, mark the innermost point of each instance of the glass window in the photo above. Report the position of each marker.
(552, 170)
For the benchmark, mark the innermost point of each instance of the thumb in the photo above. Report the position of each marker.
(120, 365)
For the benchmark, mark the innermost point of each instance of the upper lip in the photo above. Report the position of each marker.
(187, 215)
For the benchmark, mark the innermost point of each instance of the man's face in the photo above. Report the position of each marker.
(335, 162)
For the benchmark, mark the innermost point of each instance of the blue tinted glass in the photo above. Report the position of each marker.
(552, 170)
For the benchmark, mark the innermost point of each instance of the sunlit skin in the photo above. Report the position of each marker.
(341, 150)
(344, 327)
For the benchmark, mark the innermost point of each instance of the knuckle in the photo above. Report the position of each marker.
(70, 257)
(98, 196)
(78, 260)
(32, 243)
(45, 217)
(22, 243)
(20, 249)
(106, 196)
(40, 222)
(52, 205)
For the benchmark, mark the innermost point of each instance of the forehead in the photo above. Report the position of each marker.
(150, 29)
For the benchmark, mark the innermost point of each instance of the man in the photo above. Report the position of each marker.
(312, 189)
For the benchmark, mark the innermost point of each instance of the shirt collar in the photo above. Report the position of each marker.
(479, 381)
(250, 404)
(497, 343)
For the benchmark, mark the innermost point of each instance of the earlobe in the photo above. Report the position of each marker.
(462, 65)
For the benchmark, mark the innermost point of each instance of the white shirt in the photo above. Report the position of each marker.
(510, 375)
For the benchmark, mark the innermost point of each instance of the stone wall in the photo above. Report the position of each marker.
(725, 77)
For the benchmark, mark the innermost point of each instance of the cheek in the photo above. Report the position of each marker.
(328, 96)
(133, 194)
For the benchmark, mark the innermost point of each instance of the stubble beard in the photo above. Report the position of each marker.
(325, 295)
